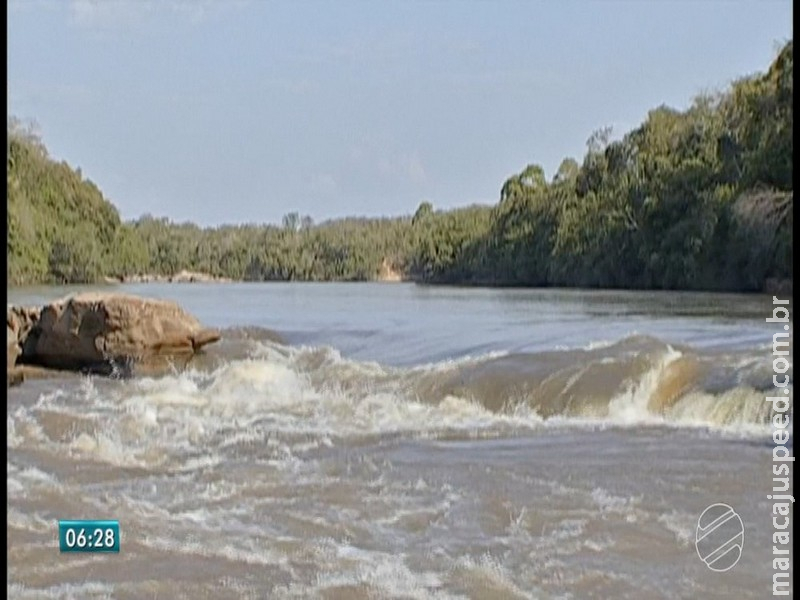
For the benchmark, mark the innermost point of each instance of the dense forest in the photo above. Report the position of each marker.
(691, 199)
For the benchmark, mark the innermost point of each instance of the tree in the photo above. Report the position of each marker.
(567, 171)
(75, 257)
(291, 221)
(530, 179)
(599, 139)
(695, 198)
(424, 211)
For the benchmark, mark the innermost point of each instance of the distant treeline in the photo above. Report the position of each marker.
(694, 199)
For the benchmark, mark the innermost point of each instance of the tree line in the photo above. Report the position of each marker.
(693, 199)
(699, 198)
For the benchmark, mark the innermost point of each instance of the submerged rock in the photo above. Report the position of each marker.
(111, 333)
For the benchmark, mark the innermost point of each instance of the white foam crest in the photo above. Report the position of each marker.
(489, 575)
(103, 447)
(681, 525)
(385, 575)
(89, 589)
(14, 487)
(52, 398)
(85, 394)
(631, 406)
(455, 363)
(253, 554)
(28, 522)
(332, 358)
(568, 529)
(318, 359)
(246, 402)
(196, 463)
(22, 427)
(12, 438)
(34, 476)
(270, 351)
(592, 345)
(146, 510)
(245, 392)
(599, 344)
(740, 409)
(237, 389)
(218, 491)
(167, 391)
(609, 503)
(249, 386)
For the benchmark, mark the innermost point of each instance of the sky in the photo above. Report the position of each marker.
(241, 111)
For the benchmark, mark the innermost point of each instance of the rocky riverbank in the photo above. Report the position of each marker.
(390, 272)
(104, 333)
(183, 276)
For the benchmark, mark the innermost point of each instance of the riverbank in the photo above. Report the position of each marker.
(183, 276)
(780, 287)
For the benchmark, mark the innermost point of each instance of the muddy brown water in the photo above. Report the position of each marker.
(399, 441)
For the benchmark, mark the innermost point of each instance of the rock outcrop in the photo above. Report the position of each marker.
(19, 322)
(106, 333)
(390, 272)
(183, 276)
(195, 277)
(12, 347)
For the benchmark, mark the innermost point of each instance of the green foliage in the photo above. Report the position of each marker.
(444, 249)
(345, 250)
(60, 228)
(693, 199)
(530, 179)
(424, 212)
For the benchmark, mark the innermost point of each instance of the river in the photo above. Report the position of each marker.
(402, 441)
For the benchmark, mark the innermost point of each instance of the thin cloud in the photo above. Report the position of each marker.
(35, 94)
(415, 169)
(23, 5)
(386, 49)
(102, 14)
(406, 167)
(107, 13)
(323, 183)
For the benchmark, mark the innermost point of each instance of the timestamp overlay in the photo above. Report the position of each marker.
(88, 536)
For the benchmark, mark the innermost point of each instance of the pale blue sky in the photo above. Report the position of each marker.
(241, 111)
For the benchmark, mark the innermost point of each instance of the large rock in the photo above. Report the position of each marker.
(19, 322)
(13, 349)
(108, 333)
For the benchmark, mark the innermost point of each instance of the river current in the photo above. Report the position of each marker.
(401, 441)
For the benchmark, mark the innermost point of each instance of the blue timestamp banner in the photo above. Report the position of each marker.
(88, 536)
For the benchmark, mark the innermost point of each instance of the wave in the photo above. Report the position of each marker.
(281, 402)
(638, 379)
(236, 343)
